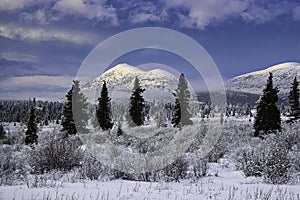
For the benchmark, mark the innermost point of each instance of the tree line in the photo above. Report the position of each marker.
(75, 110)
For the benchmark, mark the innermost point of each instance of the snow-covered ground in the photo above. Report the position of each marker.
(223, 183)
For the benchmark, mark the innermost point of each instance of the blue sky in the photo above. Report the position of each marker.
(42, 43)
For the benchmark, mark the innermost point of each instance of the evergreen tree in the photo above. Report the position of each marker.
(75, 111)
(268, 116)
(103, 112)
(68, 123)
(294, 101)
(176, 113)
(2, 132)
(31, 132)
(137, 104)
(80, 108)
(181, 112)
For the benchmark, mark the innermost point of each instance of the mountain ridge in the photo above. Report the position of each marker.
(120, 79)
(254, 82)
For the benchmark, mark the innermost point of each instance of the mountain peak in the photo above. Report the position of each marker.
(254, 82)
(120, 80)
(282, 66)
(123, 67)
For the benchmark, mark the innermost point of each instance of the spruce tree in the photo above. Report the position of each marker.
(294, 101)
(137, 104)
(80, 107)
(75, 111)
(31, 132)
(181, 112)
(2, 132)
(103, 112)
(176, 113)
(68, 123)
(268, 116)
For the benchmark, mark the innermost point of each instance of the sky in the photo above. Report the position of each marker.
(43, 43)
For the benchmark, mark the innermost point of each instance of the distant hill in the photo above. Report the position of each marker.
(158, 83)
(254, 82)
(243, 89)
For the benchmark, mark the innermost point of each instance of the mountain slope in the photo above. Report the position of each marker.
(157, 82)
(255, 82)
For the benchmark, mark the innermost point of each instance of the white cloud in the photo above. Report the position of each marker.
(140, 12)
(296, 13)
(39, 34)
(8, 5)
(18, 57)
(202, 13)
(41, 16)
(36, 81)
(94, 10)
(147, 17)
(43, 12)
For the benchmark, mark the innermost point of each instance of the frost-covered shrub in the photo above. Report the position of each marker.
(91, 168)
(269, 158)
(175, 171)
(55, 152)
(14, 137)
(251, 162)
(200, 168)
(277, 161)
(12, 168)
(295, 158)
(233, 137)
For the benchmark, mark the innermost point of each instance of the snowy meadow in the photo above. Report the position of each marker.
(240, 166)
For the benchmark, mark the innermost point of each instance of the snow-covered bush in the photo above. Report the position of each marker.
(16, 136)
(91, 168)
(175, 171)
(12, 168)
(55, 152)
(269, 158)
(234, 136)
(251, 162)
(277, 163)
(200, 168)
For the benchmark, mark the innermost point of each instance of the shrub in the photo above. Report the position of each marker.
(251, 162)
(175, 171)
(277, 162)
(11, 165)
(91, 168)
(270, 159)
(55, 152)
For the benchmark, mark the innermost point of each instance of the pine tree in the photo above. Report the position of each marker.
(2, 132)
(75, 111)
(268, 116)
(103, 112)
(177, 113)
(137, 104)
(80, 107)
(181, 112)
(294, 101)
(31, 132)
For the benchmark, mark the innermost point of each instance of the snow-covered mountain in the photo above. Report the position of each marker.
(120, 79)
(255, 82)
